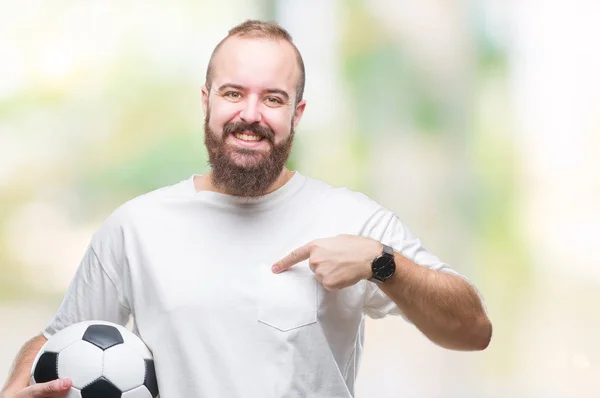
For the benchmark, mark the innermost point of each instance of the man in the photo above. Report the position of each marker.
(254, 280)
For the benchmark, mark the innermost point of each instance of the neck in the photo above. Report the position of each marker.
(204, 182)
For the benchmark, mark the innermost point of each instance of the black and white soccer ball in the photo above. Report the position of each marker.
(104, 360)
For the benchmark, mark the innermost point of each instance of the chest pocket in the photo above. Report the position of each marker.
(287, 300)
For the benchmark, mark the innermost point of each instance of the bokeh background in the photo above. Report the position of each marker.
(477, 122)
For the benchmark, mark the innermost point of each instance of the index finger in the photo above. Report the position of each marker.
(300, 254)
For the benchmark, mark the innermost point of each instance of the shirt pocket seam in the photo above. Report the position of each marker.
(287, 302)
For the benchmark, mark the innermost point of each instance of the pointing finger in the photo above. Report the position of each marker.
(300, 254)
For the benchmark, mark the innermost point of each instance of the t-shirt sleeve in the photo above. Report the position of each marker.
(387, 228)
(94, 293)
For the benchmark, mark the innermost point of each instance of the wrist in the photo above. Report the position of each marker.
(375, 251)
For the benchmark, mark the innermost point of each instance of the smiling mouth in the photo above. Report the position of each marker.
(248, 137)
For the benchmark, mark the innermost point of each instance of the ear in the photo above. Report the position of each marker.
(205, 99)
(299, 112)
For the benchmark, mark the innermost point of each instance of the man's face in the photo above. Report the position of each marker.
(251, 113)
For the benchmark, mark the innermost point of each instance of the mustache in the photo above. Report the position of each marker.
(240, 127)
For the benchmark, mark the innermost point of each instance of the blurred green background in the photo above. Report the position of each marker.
(477, 122)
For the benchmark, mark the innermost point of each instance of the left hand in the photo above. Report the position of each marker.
(337, 262)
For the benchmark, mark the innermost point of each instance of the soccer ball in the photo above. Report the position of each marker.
(104, 360)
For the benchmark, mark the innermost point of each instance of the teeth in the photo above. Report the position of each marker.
(247, 137)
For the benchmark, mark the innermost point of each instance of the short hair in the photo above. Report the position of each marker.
(261, 29)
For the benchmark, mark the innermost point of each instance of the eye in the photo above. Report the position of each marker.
(232, 95)
(274, 101)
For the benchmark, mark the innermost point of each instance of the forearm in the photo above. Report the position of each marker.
(18, 377)
(445, 307)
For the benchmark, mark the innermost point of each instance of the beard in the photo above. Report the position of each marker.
(243, 171)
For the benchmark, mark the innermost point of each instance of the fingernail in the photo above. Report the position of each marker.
(64, 383)
(275, 269)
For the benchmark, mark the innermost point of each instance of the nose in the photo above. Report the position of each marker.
(251, 112)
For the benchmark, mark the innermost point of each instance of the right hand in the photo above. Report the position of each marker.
(43, 390)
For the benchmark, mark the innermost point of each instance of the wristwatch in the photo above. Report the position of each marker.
(383, 266)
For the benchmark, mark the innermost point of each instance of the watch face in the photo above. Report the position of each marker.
(384, 267)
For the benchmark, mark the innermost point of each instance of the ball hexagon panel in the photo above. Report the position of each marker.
(65, 337)
(101, 388)
(140, 392)
(103, 336)
(133, 340)
(124, 367)
(81, 362)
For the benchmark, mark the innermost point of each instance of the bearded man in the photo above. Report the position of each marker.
(254, 280)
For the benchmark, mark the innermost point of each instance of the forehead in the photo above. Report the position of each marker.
(256, 63)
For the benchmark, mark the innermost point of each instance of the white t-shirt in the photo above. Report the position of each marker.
(194, 271)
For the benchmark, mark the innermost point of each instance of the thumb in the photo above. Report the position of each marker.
(49, 389)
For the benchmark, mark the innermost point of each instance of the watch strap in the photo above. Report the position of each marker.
(387, 250)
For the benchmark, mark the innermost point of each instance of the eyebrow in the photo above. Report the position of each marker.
(269, 90)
